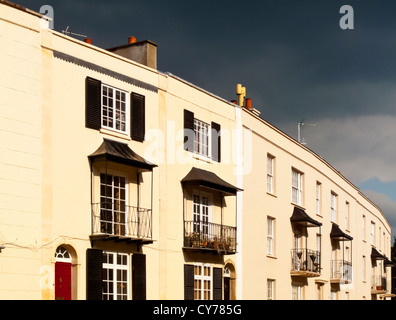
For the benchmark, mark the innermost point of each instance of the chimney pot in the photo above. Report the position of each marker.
(233, 101)
(248, 103)
(88, 40)
(132, 39)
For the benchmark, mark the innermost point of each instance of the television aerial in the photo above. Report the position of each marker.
(69, 33)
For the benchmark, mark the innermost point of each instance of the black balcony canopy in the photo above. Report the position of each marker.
(119, 152)
(209, 180)
(301, 217)
(388, 262)
(375, 255)
(337, 233)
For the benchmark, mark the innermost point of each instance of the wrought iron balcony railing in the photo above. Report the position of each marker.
(305, 261)
(118, 219)
(378, 283)
(207, 235)
(341, 270)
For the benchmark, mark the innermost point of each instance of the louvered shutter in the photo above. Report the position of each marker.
(93, 103)
(138, 117)
(188, 282)
(189, 131)
(217, 284)
(94, 274)
(139, 277)
(216, 142)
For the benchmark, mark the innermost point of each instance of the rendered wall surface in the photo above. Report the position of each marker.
(48, 185)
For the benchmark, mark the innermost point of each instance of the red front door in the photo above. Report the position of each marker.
(62, 281)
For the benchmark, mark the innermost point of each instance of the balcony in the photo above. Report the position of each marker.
(378, 284)
(341, 271)
(119, 222)
(305, 263)
(209, 237)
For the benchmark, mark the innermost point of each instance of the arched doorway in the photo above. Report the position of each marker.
(229, 277)
(63, 276)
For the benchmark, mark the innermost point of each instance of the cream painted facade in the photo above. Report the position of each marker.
(82, 195)
(351, 211)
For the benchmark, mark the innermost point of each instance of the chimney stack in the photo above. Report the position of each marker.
(144, 52)
(248, 103)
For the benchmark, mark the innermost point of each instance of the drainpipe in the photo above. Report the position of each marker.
(239, 183)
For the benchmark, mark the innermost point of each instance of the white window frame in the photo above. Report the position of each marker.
(113, 107)
(270, 173)
(270, 289)
(319, 243)
(202, 281)
(201, 207)
(202, 138)
(347, 211)
(297, 187)
(270, 236)
(113, 209)
(297, 292)
(347, 254)
(333, 206)
(319, 291)
(372, 233)
(120, 276)
(318, 198)
(62, 254)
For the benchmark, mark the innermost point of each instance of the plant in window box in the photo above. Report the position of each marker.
(229, 243)
(196, 241)
(210, 244)
(217, 245)
(188, 241)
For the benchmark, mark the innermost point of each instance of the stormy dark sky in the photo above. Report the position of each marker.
(291, 55)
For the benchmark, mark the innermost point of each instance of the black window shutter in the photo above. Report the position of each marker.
(189, 131)
(217, 284)
(188, 282)
(216, 142)
(93, 103)
(139, 277)
(94, 274)
(138, 117)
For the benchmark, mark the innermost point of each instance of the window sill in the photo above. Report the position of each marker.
(115, 134)
(271, 256)
(272, 194)
(202, 158)
(298, 205)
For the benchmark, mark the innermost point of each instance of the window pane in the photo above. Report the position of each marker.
(201, 142)
(113, 108)
(115, 276)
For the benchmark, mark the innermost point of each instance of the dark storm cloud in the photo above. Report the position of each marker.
(292, 57)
